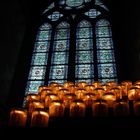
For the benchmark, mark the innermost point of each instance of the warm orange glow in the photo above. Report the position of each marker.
(100, 108)
(77, 108)
(56, 109)
(18, 117)
(40, 118)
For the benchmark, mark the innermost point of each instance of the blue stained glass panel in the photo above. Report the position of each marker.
(62, 34)
(105, 56)
(106, 70)
(84, 23)
(84, 71)
(73, 3)
(32, 86)
(104, 43)
(43, 35)
(92, 13)
(61, 45)
(58, 72)
(60, 58)
(89, 81)
(39, 59)
(45, 26)
(102, 22)
(63, 25)
(84, 33)
(84, 44)
(37, 72)
(41, 46)
(84, 57)
(103, 32)
(55, 16)
(107, 80)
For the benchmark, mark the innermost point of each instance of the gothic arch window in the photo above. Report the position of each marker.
(74, 43)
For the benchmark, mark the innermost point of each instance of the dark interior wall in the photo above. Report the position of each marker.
(12, 30)
(16, 17)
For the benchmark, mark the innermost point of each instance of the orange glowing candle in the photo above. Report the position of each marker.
(136, 106)
(56, 109)
(121, 108)
(100, 108)
(40, 118)
(77, 108)
(18, 117)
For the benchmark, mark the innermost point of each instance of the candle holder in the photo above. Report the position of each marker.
(68, 84)
(43, 93)
(29, 98)
(77, 108)
(100, 108)
(121, 108)
(133, 93)
(68, 99)
(18, 117)
(56, 109)
(80, 93)
(50, 98)
(88, 99)
(136, 107)
(39, 118)
(109, 97)
(82, 84)
(96, 84)
(43, 87)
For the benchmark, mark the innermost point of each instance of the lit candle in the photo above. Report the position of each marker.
(80, 93)
(18, 117)
(43, 93)
(112, 84)
(42, 87)
(67, 84)
(34, 105)
(56, 109)
(133, 93)
(49, 98)
(62, 92)
(82, 84)
(89, 88)
(117, 92)
(77, 108)
(136, 108)
(29, 98)
(99, 92)
(110, 97)
(68, 99)
(100, 108)
(97, 84)
(89, 98)
(121, 108)
(126, 85)
(40, 118)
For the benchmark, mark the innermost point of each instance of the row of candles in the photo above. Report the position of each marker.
(53, 100)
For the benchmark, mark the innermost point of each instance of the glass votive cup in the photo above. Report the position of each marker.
(100, 108)
(39, 118)
(77, 108)
(18, 117)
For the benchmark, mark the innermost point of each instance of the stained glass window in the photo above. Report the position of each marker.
(55, 16)
(105, 51)
(92, 13)
(59, 61)
(39, 59)
(84, 69)
(85, 38)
